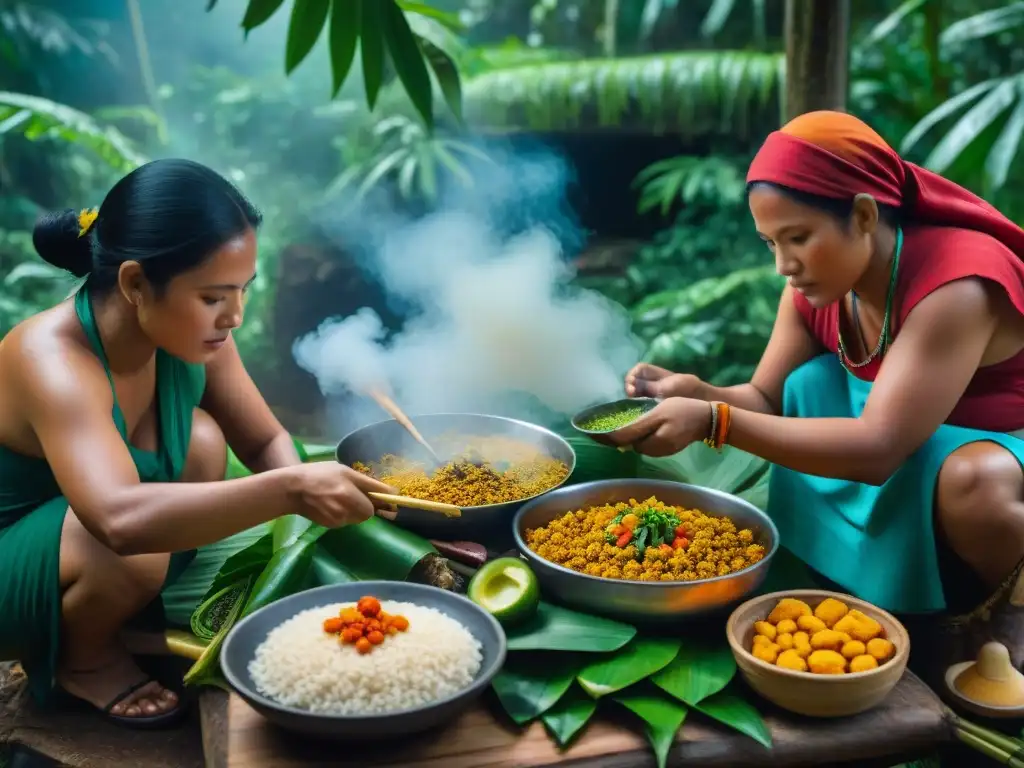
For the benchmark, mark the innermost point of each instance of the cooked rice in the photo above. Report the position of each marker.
(300, 665)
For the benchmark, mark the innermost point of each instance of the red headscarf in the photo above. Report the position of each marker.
(834, 154)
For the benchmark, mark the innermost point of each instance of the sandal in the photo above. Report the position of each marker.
(142, 722)
(138, 722)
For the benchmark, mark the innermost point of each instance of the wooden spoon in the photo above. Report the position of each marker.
(392, 408)
(448, 510)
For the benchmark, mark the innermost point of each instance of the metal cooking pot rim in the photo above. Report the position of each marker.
(529, 425)
(563, 571)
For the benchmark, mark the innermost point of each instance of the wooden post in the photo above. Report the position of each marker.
(817, 55)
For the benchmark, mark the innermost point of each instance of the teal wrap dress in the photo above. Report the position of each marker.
(32, 511)
(877, 542)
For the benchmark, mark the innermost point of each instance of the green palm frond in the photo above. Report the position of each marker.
(404, 152)
(991, 122)
(690, 179)
(694, 94)
(37, 118)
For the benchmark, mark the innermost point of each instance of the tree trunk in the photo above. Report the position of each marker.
(817, 55)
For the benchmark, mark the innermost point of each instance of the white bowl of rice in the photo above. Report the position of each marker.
(284, 663)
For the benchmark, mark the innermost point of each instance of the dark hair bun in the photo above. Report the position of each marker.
(56, 239)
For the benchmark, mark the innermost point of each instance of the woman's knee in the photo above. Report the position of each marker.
(207, 450)
(84, 559)
(977, 485)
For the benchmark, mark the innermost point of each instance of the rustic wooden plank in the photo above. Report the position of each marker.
(77, 737)
(213, 710)
(911, 722)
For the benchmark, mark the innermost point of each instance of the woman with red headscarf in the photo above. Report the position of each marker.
(892, 387)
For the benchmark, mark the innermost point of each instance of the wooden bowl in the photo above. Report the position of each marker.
(811, 694)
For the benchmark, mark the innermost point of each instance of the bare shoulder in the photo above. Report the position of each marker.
(48, 356)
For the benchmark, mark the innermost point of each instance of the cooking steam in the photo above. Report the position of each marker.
(494, 324)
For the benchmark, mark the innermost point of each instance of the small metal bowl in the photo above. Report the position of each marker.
(242, 641)
(647, 404)
(645, 602)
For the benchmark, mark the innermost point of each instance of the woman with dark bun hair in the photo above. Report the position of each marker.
(116, 407)
(890, 397)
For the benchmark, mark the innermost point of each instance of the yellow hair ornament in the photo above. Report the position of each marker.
(86, 219)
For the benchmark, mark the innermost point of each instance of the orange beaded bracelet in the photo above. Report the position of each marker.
(720, 421)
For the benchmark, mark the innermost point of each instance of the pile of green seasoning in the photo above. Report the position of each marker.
(607, 422)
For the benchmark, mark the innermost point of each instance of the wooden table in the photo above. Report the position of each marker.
(911, 723)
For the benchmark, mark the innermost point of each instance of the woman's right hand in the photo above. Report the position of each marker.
(333, 494)
(646, 380)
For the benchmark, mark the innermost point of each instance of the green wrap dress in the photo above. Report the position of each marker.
(32, 510)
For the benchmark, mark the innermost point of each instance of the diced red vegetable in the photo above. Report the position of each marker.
(624, 539)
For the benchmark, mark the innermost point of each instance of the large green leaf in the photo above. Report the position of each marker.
(343, 39)
(408, 61)
(371, 48)
(694, 94)
(37, 118)
(307, 22)
(181, 598)
(285, 572)
(243, 563)
(1004, 149)
(376, 549)
(569, 715)
(662, 717)
(944, 111)
(257, 13)
(639, 659)
(732, 470)
(530, 683)
(327, 570)
(699, 670)
(972, 124)
(554, 628)
(731, 709)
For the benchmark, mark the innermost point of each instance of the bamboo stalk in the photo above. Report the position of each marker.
(988, 749)
(448, 510)
(1014, 747)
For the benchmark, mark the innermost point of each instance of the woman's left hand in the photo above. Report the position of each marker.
(672, 425)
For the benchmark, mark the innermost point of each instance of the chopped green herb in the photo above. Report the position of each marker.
(610, 421)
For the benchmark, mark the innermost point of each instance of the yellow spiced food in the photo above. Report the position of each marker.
(645, 541)
(831, 639)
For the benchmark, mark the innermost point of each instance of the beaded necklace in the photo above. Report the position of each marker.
(884, 338)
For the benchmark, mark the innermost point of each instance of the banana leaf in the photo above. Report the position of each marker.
(206, 670)
(531, 683)
(199, 581)
(569, 715)
(662, 716)
(327, 570)
(732, 709)
(698, 671)
(732, 470)
(553, 628)
(376, 549)
(640, 658)
(284, 574)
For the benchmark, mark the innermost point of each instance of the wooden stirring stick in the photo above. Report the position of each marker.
(448, 510)
(392, 408)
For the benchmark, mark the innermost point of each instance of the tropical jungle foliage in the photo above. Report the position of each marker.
(390, 98)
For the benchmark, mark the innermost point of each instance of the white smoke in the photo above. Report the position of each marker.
(499, 329)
